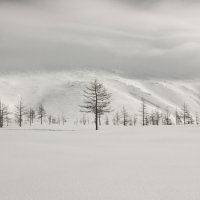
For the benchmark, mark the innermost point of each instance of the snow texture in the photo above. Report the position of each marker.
(142, 163)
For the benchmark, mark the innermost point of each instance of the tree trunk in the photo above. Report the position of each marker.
(96, 114)
(20, 121)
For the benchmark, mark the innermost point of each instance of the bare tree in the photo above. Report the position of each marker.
(125, 116)
(158, 117)
(145, 120)
(167, 117)
(41, 113)
(31, 115)
(178, 118)
(20, 111)
(185, 113)
(155, 117)
(152, 118)
(190, 119)
(97, 100)
(4, 114)
(7, 119)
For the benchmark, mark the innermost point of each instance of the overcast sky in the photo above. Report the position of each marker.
(140, 38)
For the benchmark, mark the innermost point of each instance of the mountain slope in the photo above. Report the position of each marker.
(62, 92)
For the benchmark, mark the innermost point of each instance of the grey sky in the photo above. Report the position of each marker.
(149, 38)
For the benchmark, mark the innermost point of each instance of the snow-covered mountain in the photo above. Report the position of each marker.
(61, 92)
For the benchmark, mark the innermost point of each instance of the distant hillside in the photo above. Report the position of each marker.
(62, 92)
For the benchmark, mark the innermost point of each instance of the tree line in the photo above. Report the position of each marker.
(24, 115)
(97, 101)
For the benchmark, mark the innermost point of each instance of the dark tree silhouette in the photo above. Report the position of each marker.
(20, 111)
(41, 113)
(185, 114)
(145, 120)
(31, 115)
(4, 114)
(178, 118)
(125, 116)
(167, 117)
(97, 100)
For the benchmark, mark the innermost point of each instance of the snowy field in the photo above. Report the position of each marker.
(152, 163)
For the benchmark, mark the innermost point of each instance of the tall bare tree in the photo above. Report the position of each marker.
(144, 113)
(152, 118)
(178, 118)
(31, 115)
(125, 116)
(185, 113)
(4, 114)
(155, 117)
(97, 100)
(167, 117)
(41, 113)
(20, 111)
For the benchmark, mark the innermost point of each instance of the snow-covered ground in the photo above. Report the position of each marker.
(133, 163)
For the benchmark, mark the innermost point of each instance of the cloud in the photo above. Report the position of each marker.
(153, 2)
(161, 42)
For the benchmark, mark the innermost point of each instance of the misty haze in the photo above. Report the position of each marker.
(99, 99)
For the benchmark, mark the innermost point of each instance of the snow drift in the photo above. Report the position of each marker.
(130, 163)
